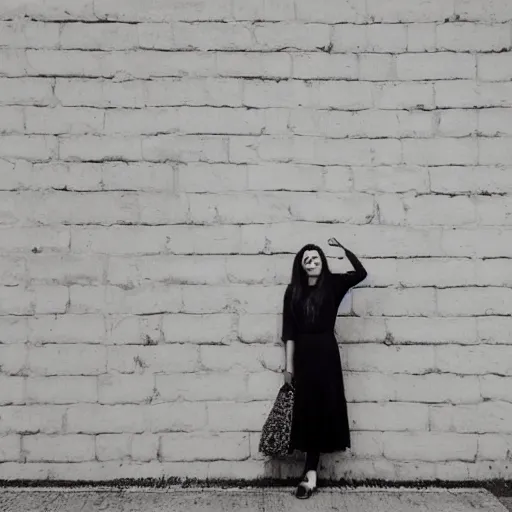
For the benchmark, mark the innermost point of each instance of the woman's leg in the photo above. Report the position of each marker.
(312, 459)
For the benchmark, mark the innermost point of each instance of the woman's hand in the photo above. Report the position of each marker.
(334, 243)
(288, 377)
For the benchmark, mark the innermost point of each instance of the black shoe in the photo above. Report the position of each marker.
(304, 492)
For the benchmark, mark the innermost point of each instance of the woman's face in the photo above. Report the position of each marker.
(312, 263)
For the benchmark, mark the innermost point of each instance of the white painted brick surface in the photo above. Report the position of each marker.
(160, 165)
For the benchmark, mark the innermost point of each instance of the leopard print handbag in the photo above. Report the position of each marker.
(276, 432)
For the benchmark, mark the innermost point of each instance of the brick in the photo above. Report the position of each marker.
(403, 95)
(493, 11)
(66, 269)
(400, 417)
(289, 177)
(41, 448)
(253, 10)
(202, 177)
(167, 359)
(473, 360)
(395, 302)
(140, 176)
(281, 36)
(429, 388)
(362, 124)
(494, 151)
(250, 269)
(463, 37)
(377, 67)
(330, 11)
(197, 36)
(371, 357)
(54, 10)
(57, 120)
(106, 419)
(365, 329)
(494, 387)
(468, 94)
(494, 330)
(470, 179)
(113, 446)
(441, 151)
(483, 418)
(429, 446)
(218, 92)
(177, 417)
(390, 240)
(349, 95)
(259, 328)
(494, 447)
(185, 148)
(61, 390)
(217, 328)
(67, 329)
(421, 37)
(308, 150)
(254, 65)
(11, 390)
(237, 417)
(111, 299)
(486, 242)
(12, 271)
(433, 330)
(13, 330)
(125, 389)
(378, 38)
(67, 360)
(16, 301)
(102, 36)
(81, 92)
(493, 272)
(71, 176)
(436, 66)
(37, 240)
(432, 210)
(31, 147)
(28, 34)
(473, 301)
(238, 358)
(35, 419)
(163, 11)
(201, 447)
(494, 67)
(96, 149)
(494, 122)
(14, 63)
(169, 269)
(11, 120)
(144, 447)
(51, 300)
(202, 386)
(10, 448)
(366, 444)
(134, 330)
(495, 214)
(162, 208)
(456, 123)
(391, 179)
(264, 385)
(402, 11)
(325, 66)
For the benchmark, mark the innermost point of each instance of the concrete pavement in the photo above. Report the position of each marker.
(251, 500)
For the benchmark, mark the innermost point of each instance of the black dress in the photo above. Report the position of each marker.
(320, 419)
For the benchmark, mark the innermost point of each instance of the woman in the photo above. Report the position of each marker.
(311, 302)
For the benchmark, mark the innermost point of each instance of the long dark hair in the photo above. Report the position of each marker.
(306, 301)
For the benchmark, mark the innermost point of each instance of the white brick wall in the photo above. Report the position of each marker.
(159, 171)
